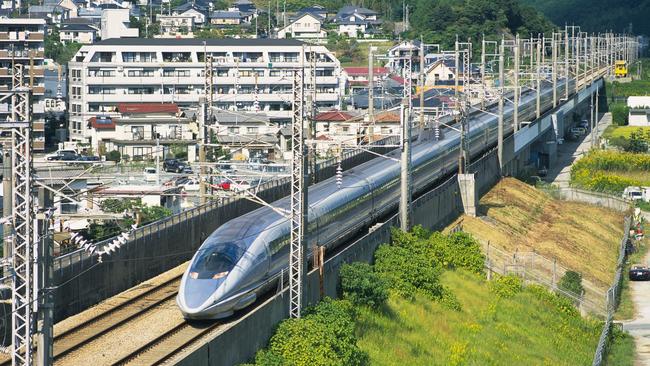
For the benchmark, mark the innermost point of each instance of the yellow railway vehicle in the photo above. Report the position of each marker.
(620, 69)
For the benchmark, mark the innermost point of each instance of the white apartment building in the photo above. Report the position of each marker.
(115, 24)
(248, 75)
(176, 25)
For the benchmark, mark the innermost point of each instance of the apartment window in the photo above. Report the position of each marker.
(177, 56)
(137, 132)
(101, 73)
(252, 130)
(76, 74)
(275, 73)
(234, 130)
(345, 128)
(290, 56)
(147, 56)
(129, 57)
(140, 73)
(103, 57)
(141, 90)
(100, 90)
(140, 153)
(174, 72)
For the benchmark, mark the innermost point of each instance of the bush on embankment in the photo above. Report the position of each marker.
(610, 171)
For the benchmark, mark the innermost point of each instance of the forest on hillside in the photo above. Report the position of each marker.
(598, 15)
(439, 21)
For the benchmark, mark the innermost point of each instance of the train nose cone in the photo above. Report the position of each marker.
(198, 291)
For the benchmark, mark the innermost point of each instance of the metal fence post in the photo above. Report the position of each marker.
(554, 273)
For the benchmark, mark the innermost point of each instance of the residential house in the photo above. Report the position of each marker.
(384, 124)
(224, 18)
(10, 5)
(353, 21)
(358, 76)
(176, 25)
(306, 25)
(91, 14)
(246, 135)
(334, 128)
(53, 14)
(115, 24)
(398, 54)
(78, 32)
(198, 12)
(316, 10)
(443, 72)
(639, 111)
(135, 129)
(244, 6)
(69, 5)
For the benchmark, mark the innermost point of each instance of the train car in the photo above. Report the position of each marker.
(245, 256)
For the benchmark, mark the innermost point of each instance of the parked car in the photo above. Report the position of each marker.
(60, 154)
(150, 174)
(173, 165)
(579, 131)
(192, 185)
(187, 169)
(633, 193)
(68, 157)
(88, 158)
(639, 273)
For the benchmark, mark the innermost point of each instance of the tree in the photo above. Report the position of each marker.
(362, 286)
(637, 143)
(59, 51)
(571, 282)
(208, 33)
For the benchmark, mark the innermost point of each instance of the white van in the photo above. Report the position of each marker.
(633, 193)
(150, 174)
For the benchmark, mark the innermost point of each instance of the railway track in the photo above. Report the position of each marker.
(81, 334)
(168, 344)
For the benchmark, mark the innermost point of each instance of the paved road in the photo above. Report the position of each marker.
(639, 328)
(570, 151)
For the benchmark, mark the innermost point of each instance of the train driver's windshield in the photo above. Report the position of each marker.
(216, 262)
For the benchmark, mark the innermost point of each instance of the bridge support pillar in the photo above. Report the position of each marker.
(468, 193)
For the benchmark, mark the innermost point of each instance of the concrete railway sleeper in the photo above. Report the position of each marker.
(168, 344)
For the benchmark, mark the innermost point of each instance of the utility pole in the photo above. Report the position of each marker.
(515, 114)
(299, 184)
(538, 87)
(421, 80)
(44, 351)
(371, 85)
(202, 160)
(483, 85)
(566, 63)
(500, 112)
(554, 68)
(157, 160)
(405, 166)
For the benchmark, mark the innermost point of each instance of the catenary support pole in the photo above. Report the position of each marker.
(44, 350)
(515, 114)
(500, 112)
(405, 166)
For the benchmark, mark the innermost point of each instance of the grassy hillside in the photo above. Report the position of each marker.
(527, 329)
(581, 237)
(598, 15)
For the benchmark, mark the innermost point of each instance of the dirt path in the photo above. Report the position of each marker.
(639, 328)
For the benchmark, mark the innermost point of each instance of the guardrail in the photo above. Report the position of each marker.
(613, 297)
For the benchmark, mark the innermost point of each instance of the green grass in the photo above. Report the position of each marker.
(622, 349)
(381, 49)
(623, 131)
(523, 330)
(626, 306)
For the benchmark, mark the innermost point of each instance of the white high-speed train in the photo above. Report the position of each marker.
(233, 265)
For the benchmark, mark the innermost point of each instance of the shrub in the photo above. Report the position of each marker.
(113, 155)
(406, 271)
(506, 286)
(620, 114)
(324, 336)
(362, 286)
(572, 282)
(458, 250)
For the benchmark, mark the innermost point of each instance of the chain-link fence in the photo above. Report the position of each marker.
(613, 296)
(603, 199)
(534, 268)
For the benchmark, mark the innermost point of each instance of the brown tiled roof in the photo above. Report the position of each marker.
(334, 116)
(106, 124)
(387, 116)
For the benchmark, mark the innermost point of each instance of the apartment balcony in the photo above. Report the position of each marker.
(21, 36)
(38, 126)
(38, 145)
(21, 54)
(38, 72)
